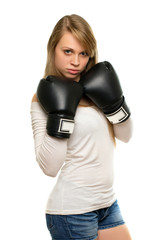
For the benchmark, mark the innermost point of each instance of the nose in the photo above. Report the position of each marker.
(75, 60)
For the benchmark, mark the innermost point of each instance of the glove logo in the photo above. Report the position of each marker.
(66, 126)
(119, 116)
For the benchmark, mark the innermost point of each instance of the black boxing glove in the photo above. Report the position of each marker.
(59, 97)
(102, 86)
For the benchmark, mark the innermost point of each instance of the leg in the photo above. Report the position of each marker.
(116, 233)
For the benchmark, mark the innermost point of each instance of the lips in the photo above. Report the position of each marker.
(73, 71)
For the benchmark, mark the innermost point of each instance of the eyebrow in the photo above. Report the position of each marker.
(72, 48)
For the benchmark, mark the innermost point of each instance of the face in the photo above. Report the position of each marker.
(71, 57)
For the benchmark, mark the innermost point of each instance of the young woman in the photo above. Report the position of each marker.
(82, 204)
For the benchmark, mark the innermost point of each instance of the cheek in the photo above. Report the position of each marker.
(84, 62)
(60, 60)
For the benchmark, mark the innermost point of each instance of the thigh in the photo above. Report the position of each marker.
(113, 226)
(116, 233)
(73, 226)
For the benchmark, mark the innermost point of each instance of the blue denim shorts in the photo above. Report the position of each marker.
(85, 225)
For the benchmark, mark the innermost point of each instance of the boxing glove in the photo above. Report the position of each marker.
(102, 86)
(59, 97)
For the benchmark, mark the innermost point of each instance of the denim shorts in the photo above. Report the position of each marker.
(84, 226)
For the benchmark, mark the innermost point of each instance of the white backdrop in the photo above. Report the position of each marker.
(127, 34)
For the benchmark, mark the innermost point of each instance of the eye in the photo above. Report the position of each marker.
(84, 53)
(67, 51)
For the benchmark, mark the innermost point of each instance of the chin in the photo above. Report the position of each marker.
(73, 77)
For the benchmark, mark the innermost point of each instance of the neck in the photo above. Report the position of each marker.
(85, 101)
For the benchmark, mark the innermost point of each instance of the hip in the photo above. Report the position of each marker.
(85, 225)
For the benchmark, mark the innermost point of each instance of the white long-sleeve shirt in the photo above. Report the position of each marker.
(85, 160)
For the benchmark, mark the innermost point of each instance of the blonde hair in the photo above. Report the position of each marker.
(80, 28)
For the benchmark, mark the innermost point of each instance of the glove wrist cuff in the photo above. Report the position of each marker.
(60, 126)
(120, 115)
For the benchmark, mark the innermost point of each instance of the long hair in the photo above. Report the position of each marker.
(80, 28)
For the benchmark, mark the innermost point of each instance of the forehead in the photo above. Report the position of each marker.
(69, 40)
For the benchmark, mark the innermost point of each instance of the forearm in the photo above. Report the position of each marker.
(50, 151)
(51, 154)
(123, 131)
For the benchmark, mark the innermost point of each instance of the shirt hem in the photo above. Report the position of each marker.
(79, 211)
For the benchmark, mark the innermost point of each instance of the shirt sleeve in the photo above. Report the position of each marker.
(123, 131)
(50, 151)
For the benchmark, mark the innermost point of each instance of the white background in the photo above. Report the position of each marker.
(127, 34)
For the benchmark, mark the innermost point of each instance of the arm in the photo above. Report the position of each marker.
(123, 131)
(50, 151)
